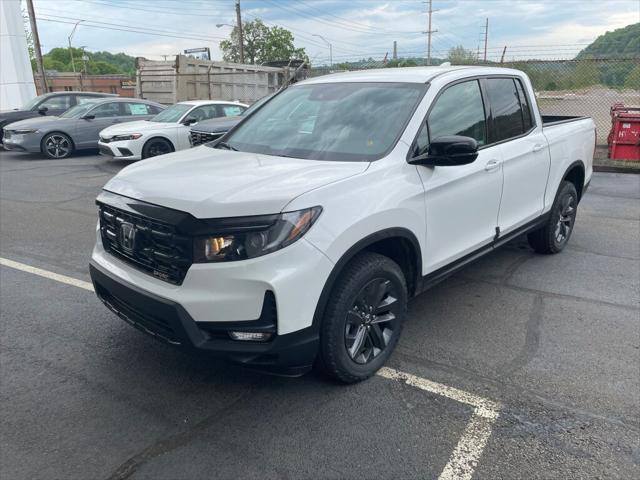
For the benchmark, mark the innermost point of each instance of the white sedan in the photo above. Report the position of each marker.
(166, 132)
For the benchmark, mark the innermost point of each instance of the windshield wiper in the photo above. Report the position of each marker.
(226, 146)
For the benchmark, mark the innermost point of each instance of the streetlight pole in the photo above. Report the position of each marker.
(240, 39)
(330, 48)
(240, 42)
(73, 65)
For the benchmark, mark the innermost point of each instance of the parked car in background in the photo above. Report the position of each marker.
(298, 239)
(167, 132)
(77, 128)
(54, 103)
(213, 129)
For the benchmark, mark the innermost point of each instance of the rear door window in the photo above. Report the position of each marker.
(506, 112)
(232, 110)
(137, 109)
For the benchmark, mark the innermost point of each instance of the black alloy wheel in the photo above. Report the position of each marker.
(363, 317)
(57, 145)
(554, 235)
(155, 147)
(371, 320)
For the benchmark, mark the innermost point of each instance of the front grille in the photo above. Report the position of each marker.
(152, 246)
(142, 320)
(198, 138)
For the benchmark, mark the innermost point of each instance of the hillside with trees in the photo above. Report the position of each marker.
(621, 43)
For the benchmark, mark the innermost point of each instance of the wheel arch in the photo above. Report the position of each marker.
(158, 137)
(399, 244)
(575, 174)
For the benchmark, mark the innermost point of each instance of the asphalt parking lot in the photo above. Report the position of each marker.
(520, 366)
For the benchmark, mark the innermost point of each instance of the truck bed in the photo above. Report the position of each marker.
(548, 120)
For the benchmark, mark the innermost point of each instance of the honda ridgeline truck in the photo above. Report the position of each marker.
(298, 238)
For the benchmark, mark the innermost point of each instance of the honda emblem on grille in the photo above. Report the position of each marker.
(127, 236)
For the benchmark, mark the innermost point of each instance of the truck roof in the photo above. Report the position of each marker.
(409, 74)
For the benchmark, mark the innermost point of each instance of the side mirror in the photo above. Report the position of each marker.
(43, 110)
(448, 151)
(189, 121)
(88, 117)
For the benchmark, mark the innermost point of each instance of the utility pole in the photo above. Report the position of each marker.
(240, 37)
(504, 50)
(429, 32)
(486, 38)
(36, 46)
(395, 50)
(73, 64)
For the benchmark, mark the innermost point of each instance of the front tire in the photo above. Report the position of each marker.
(555, 234)
(363, 318)
(155, 147)
(57, 145)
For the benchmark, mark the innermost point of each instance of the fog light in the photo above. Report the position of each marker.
(250, 336)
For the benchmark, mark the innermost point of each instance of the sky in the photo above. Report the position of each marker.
(355, 28)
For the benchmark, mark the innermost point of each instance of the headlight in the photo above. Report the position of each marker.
(26, 130)
(250, 242)
(133, 136)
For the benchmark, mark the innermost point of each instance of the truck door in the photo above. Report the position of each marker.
(461, 202)
(525, 152)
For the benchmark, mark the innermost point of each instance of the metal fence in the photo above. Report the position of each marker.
(587, 87)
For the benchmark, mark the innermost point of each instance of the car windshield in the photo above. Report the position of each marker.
(79, 110)
(32, 103)
(172, 114)
(330, 121)
(255, 105)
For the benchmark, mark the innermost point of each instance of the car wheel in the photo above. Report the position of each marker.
(363, 318)
(155, 147)
(555, 234)
(57, 145)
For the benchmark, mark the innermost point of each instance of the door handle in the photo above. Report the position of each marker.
(492, 165)
(537, 147)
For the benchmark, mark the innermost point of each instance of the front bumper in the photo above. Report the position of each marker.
(289, 354)
(23, 143)
(125, 149)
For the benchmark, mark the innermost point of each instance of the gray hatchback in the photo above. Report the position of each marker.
(77, 128)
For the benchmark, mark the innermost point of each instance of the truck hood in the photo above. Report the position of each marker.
(138, 126)
(212, 183)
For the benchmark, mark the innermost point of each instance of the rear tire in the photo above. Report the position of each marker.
(155, 147)
(554, 235)
(57, 145)
(363, 318)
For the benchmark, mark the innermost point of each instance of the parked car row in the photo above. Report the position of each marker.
(60, 123)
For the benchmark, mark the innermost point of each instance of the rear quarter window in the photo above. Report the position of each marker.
(506, 111)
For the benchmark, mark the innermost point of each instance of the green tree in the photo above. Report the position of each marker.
(461, 56)
(262, 44)
(633, 79)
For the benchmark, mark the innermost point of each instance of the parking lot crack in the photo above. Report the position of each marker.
(177, 440)
(531, 340)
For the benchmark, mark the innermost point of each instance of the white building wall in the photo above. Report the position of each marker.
(16, 78)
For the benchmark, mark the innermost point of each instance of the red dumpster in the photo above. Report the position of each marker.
(624, 137)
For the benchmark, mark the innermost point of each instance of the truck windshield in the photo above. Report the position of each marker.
(172, 114)
(329, 121)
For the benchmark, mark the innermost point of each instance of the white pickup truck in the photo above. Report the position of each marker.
(299, 237)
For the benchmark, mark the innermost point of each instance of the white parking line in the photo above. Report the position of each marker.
(46, 274)
(465, 456)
